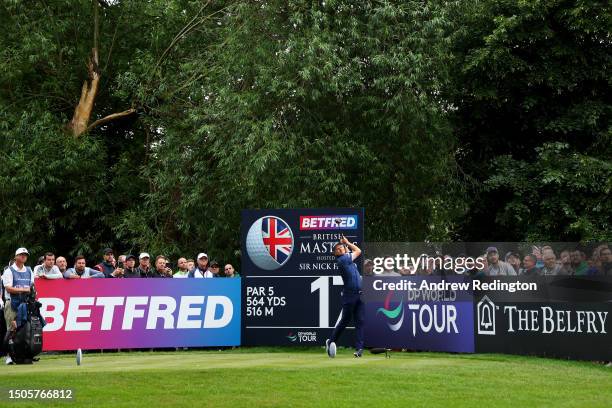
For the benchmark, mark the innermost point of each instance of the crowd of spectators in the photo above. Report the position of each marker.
(130, 266)
(18, 279)
(538, 261)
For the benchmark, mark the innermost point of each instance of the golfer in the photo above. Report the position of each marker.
(351, 296)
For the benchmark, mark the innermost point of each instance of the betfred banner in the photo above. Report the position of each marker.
(290, 275)
(139, 313)
(419, 313)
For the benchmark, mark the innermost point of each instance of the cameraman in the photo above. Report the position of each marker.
(18, 282)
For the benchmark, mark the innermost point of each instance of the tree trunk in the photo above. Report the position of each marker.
(80, 120)
(82, 113)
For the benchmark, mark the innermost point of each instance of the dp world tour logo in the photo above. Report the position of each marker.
(292, 337)
(269, 243)
(392, 314)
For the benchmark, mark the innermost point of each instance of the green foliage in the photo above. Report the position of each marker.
(561, 194)
(308, 105)
(532, 88)
(421, 112)
(51, 186)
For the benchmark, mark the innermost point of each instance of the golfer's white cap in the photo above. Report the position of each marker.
(20, 251)
(202, 255)
(144, 255)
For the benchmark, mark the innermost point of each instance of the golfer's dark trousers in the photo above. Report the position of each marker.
(352, 307)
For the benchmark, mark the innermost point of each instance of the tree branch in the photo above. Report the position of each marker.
(193, 23)
(110, 118)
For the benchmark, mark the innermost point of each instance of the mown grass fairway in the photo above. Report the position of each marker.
(285, 377)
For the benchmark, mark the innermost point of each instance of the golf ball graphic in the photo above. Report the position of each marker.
(269, 243)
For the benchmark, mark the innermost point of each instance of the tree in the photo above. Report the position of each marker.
(64, 194)
(532, 92)
(308, 105)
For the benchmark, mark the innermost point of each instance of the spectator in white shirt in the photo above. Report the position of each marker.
(201, 270)
(48, 269)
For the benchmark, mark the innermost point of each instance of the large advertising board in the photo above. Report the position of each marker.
(291, 285)
(139, 313)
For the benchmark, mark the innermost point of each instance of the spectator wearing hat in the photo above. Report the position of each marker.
(107, 266)
(144, 264)
(183, 271)
(496, 266)
(230, 272)
(214, 268)
(48, 269)
(201, 269)
(81, 271)
(18, 282)
(129, 267)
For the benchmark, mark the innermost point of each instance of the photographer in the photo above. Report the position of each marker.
(18, 282)
(160, 270)
(107, 266)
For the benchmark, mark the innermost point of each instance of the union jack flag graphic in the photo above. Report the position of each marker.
(277, 238)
